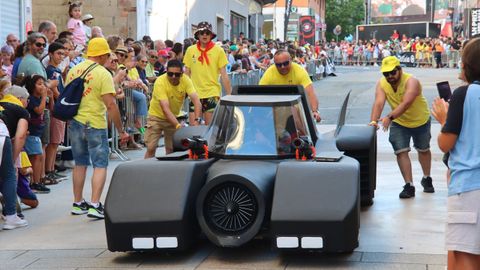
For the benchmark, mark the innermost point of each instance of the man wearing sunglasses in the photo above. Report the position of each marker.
(408, 119)
(204, 63)
(36, 43)
(285, 72)
(167, 100)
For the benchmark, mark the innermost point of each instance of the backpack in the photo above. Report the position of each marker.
(67, 104)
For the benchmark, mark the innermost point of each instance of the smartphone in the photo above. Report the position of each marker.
(444, 90)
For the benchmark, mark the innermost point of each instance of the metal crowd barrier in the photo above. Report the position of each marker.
(449, 59)
(127, 113)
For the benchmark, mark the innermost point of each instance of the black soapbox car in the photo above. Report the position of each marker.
(260, 169)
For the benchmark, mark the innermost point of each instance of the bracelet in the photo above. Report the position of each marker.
(178, 126)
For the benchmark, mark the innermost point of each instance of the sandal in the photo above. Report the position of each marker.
(49, 181)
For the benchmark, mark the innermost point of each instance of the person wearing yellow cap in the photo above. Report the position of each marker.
(88, 129)
(408, 119)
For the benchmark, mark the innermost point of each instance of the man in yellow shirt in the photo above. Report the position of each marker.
(408, 119)
(285, 72)
(167, 99)
(204, 62)
(88, 129)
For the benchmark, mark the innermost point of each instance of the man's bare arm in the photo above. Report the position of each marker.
(225, 81)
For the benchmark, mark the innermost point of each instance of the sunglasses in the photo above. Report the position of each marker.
(114, 60)
(284, 64)
(176, 74)
(153, 56)
(390, 73)
(143, 61)
(40, 44)
(121, 55)
(204, 32)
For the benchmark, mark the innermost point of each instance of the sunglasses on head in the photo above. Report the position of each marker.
(284, 64)
(176, 74)
(390, 73)
(40, 44)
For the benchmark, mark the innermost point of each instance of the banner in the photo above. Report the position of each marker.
(474, 23)
(288, 10)
(407, 59)
(307, 30)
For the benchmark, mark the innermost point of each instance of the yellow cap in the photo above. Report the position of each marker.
(389, 63)
(97, 47)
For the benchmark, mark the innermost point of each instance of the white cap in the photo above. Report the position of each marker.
(17, 91)
(87, 17)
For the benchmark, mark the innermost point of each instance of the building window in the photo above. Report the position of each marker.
(238, 24)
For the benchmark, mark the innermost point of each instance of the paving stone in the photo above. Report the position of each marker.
(9, 254)
(254, 255)
(404, 258)
(62, 253)
(16, 263)
(360, 266)
(62, 263)
(436, 267)
(177, 260)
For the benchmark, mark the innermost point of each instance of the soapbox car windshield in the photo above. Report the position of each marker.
(257, 126)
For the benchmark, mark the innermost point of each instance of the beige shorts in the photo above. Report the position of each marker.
(463, 222)
(155, 127)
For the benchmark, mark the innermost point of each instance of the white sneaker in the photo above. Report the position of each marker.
(13, 222)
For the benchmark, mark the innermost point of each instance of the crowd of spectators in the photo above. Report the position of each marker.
(428, 52)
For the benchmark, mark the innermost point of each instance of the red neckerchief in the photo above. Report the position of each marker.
(203, 55)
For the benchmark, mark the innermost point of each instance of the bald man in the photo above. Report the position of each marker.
(285, 72)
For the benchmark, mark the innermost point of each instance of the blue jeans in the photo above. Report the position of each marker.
(88, 144)
(8, 180)
(400, 137)
(140, 101)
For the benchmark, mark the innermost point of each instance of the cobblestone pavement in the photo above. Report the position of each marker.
(394, 234)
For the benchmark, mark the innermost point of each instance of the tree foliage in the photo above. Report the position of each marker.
(346, 13)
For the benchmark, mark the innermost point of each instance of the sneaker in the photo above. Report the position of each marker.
(427, 185)
(39, 188)
(95, 212)
(407, 192)
(14, 222)
(54, 175)
(80, 209)
(60, 176)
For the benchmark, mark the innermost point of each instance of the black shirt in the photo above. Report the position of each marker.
(455, 111)
(11, 114)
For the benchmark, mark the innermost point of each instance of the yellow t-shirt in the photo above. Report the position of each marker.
(24, 160)
(205, 77)
(417, 114)
(297, 76)
(133, 74)
(98, 82)
(164, 90)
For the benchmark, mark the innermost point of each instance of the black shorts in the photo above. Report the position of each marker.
(208, 104)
